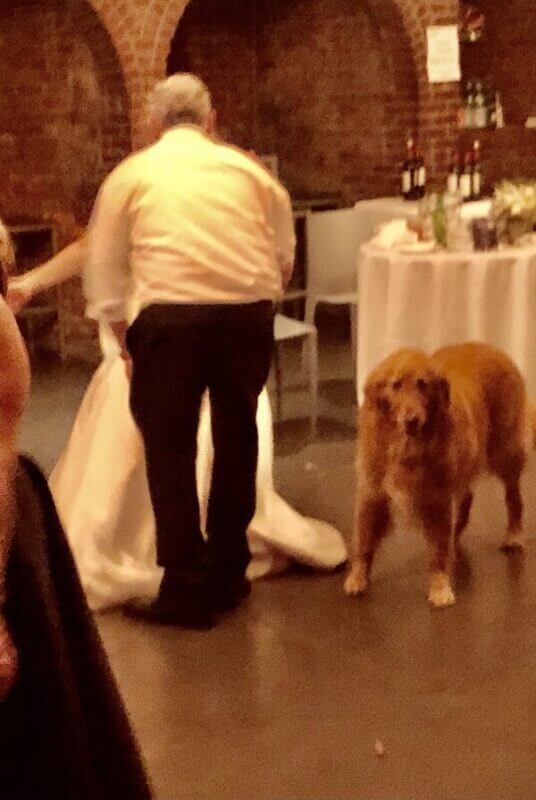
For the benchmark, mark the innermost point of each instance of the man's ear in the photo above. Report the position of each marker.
(375, 395)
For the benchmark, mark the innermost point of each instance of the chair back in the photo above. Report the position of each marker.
(333, 240)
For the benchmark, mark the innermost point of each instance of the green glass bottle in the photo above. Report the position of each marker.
(439, 219)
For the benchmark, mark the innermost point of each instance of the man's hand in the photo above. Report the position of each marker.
(125, 355)
(286, 274)
(120, 332)
(8, 661)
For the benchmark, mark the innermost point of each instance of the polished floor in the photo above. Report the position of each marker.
(286, 699)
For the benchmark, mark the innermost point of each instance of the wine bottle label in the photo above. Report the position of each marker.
(421, 177)
(477, 184)
(465, 185)
(406, 181)
(452, 183)
(480, 118)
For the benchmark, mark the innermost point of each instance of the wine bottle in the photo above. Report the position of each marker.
(466, 178)
(439, 219)
(455, 171)
(480, 117)
(420, 170)
(469, 106)
(499, 112)
(409, 172)
(476, 175)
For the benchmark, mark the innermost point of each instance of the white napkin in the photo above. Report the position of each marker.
(392, 234)
(475, 210)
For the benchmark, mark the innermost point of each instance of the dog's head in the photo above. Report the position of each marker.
(408, 392)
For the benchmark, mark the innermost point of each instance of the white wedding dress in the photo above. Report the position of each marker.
(101, 493)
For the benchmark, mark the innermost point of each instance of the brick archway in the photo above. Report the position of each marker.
(142, 30)
(438, 105)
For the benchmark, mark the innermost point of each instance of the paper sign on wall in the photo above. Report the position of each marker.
(443, 61)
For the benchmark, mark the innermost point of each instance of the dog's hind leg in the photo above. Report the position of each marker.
(373, 522)
(462, 517)
(437, 520)
(514, 539)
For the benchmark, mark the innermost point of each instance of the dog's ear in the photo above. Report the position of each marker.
(375, 395)
(442, 389)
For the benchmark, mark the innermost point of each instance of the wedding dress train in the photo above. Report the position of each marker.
(100, 489)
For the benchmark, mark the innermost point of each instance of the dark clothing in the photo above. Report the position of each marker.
(179, 351)
(64, 734)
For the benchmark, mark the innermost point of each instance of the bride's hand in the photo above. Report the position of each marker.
(125, 355)
(17, 297)
(8, 661)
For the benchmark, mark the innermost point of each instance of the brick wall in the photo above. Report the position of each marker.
(63, 107)
(359, 63)
(328, 85)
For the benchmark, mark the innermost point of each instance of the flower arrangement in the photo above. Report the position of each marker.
(514, 209)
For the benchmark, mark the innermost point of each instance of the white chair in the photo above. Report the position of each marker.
(332, 245)
(286, 328)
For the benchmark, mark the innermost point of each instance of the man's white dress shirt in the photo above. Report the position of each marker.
(187, 220)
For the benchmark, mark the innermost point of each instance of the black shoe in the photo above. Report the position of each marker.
(168, 613)
(227, 597)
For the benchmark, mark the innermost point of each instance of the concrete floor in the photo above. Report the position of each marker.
(284, 701)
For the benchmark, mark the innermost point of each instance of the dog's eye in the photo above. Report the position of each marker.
(396, 385)
(422, 385)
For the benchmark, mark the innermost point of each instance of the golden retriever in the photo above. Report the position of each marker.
(429, 426)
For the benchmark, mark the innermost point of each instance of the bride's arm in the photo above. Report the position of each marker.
(14, 389)
(58, 269)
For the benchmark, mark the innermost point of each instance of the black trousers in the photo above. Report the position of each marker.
(179, 351)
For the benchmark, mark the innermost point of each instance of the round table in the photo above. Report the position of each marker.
(438, 299)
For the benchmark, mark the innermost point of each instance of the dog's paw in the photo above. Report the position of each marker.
(441, 594)
(356, 582)
(514, 541)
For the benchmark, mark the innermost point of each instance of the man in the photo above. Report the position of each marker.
(193, 240)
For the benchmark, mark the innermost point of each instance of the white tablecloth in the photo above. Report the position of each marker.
(439, 299)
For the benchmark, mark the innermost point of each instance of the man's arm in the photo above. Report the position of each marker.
(285, 235)
(107, 271)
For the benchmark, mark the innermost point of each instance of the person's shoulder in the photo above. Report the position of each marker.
(129, 168)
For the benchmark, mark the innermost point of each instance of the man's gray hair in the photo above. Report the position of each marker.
(181, 98)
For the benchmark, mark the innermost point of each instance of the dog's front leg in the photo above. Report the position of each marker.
(437, 520)
(373, 520)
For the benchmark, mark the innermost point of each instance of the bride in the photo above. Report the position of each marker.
(100, 487)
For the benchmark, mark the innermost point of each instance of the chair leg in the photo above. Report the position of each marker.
(310, 310)
(310, 315)
(353, 317)
(312, 345)
(278, 382)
